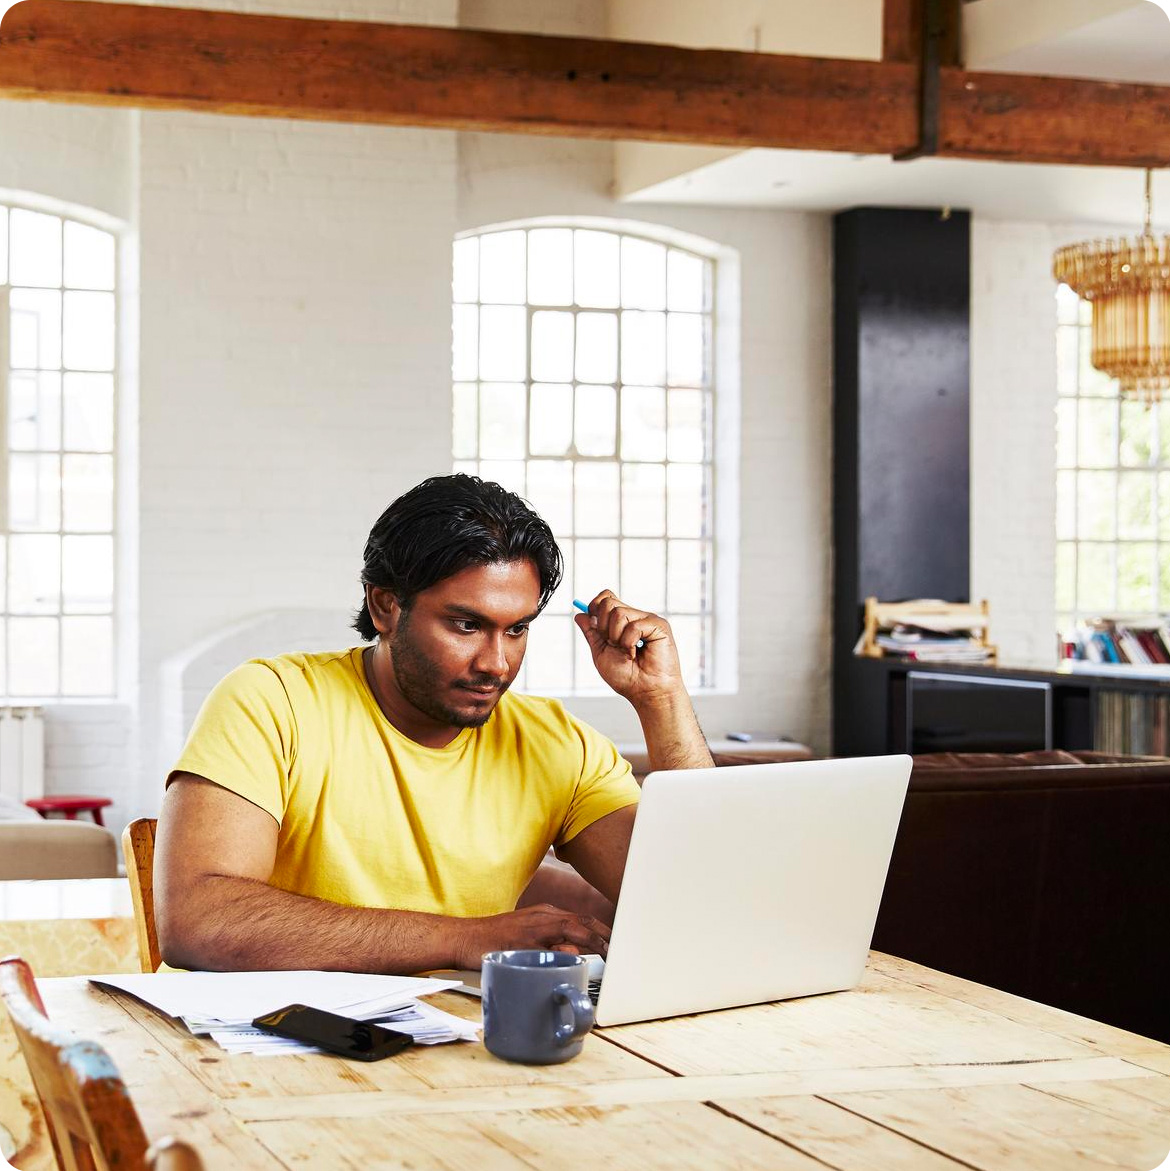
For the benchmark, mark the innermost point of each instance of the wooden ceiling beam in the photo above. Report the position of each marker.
(92, 52)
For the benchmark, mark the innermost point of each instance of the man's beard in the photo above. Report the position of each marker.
(418, 680)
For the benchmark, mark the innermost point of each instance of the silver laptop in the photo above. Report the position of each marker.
(747, 884)
(751, 883)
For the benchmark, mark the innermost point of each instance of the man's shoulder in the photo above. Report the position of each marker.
(298, 673)
(540, 717)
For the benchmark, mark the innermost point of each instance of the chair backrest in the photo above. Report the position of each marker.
(92, 1122)
(138, 850)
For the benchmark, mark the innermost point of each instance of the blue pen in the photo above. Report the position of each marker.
(585, 610)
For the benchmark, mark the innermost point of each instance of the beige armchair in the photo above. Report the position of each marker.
(56, 849)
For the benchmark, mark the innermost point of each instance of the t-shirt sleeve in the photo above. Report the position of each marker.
(605, 785)
(244, 738)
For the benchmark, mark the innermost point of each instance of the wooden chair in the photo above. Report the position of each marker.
(172, 1154)
(92, 1123)
(138, 850)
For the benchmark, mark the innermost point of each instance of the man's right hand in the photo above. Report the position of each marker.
(540, 926)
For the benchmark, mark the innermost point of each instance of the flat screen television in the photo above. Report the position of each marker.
(965, 713)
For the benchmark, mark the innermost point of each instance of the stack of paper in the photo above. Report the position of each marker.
(224, 1004)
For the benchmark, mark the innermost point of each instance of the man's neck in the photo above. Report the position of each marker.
(414, 724)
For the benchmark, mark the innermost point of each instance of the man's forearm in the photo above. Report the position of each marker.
(229, 923)
(672, 733)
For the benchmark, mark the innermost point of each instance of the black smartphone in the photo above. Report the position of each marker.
(338, 1034)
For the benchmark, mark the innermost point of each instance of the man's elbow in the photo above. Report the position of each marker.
(190, 931)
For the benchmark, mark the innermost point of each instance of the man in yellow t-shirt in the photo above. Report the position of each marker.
(385, 808)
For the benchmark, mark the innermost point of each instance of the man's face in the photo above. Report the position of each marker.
(460, 645)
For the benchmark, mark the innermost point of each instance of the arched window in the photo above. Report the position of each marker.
(584, 381)
(58, 279)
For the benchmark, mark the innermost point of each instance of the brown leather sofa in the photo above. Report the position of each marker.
(1046, 874)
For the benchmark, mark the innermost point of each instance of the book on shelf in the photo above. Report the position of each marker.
(1113, 641)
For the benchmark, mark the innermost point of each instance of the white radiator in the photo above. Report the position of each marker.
(22, 753)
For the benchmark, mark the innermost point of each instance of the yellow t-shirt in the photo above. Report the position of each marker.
(370, 818)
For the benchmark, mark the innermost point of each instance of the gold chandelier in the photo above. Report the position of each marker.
(1127, 282)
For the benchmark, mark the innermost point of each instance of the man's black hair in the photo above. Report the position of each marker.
(446, 524)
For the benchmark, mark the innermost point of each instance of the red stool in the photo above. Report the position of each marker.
(71, 806)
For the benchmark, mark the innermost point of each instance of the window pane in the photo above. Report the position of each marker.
(465, 270)
(686, 435)
(550, 419)
(1164, 575)
(684, 576)
(502, 266)
(686, 514)
(597, 347)
(1096, 568)
(596, 509)
(644, 348)
(1096, 506)
(89, 330)
(595, 425)
(35, 335)
(1135, 505)
(644, 575)
(1067, 359)
(32, 656)
(502, 424)
(684, 349)
(550, 491)
(502, 343)
(87, 575)
(34, 412)
(3, 257)
(643, 500)
(595, 269)
(686, 284)
(1066, 434)
(464, 343)
(1135, 578)
(34, 492)
(1138, 437)
(88, 483)
(550, 266)
(552, 346)
(643, 274)
(89, 257)
(34, 574)
(1066, 506)
(87, 656)
(1164, 505)
(465, 436)
(36, 249)
(1066, 305)
(89, 412)
(1066, 582)
(596, 569)
(548, 661)
(643, 423)
(688, 639)
(508, 473)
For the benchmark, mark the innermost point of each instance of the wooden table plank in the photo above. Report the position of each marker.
(682, 1136)
(885, 1021)
(1012, 1128)
(724, 1088)
(839, 1138)
(1105, 1038)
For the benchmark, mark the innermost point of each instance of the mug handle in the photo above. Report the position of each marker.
(580, 1006)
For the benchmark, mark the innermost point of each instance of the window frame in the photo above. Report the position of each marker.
(89, 218)
(717, 611)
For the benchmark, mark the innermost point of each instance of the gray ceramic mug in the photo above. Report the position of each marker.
(536, 1005)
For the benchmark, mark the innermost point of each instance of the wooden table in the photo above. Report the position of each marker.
(913, 1069)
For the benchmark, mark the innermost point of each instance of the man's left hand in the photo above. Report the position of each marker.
(613, 630)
